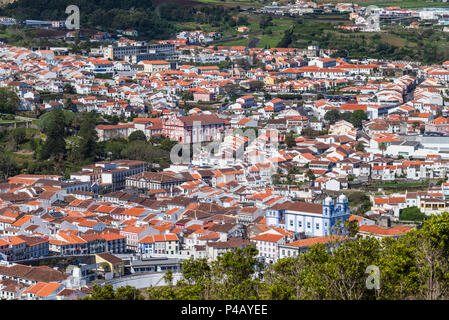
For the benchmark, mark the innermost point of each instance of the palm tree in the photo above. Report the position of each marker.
(382, 147)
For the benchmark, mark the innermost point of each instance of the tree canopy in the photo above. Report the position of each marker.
(357, 117)
(136, 136)
(108, 293)
(412, 214)
(414, 266)
(334, 115)
(86, 150)
(9, 101)
(54, 145)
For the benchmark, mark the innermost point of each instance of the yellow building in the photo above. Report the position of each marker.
(433, 205)
(271, 80)
(114, 264)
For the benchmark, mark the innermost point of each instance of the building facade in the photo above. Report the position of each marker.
(312, 219)
(194, 129)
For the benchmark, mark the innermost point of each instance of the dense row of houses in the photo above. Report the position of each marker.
(265, 170)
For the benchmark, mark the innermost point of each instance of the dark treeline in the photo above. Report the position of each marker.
(65, 141)
(109, 15)
(212, 15)
(414, 266)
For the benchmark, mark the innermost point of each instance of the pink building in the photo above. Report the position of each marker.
(201, 94)
(194, 128)
(439, 124)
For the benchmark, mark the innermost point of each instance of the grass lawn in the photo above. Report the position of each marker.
(21, 157)
(277, 31)
(400, 185)
(269, 41)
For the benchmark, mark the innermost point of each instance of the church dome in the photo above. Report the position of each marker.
(342, 199)
(328, 201)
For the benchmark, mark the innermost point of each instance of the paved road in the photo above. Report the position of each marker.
(19, 117)
(228, 39)
(25, 118)
(254, 42)
(141, 281)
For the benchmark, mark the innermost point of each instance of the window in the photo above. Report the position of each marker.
(308, 225)
(291, 223)
(299, 224)
(317, 226)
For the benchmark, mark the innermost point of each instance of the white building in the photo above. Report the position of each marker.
(309, 218)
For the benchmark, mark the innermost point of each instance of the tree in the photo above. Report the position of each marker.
(69, 89)
(108, 293)
(290, 140)
(168, 277)
(143, 151)
(309, 132)
(137, 135)
(187, 96)
(360, 147)
(128, 293)
(334, 271)
(283, 280)
(432, 248)
(231, 90)
(244, 64)
(9, 101)
(54, 145)
(266, 21)
(232, 276)
(8, 166)
(275, 179)
(412, 214)
(286, 39)
(310, 175)
(69, 120)
(382, 147)
(111, 148)
(346, 116)
(351, 227)
(436, 229)
(332, 116)
(242, 21)
(256, 85)
(87, 147)
(167, 144)
(18, 136)
(399, 272)
(413, 266)
(347, 266)
(357, 117)
(194, 270)
(69, 105)
(105, 293)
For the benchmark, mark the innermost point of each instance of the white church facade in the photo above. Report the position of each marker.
(314, 220)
